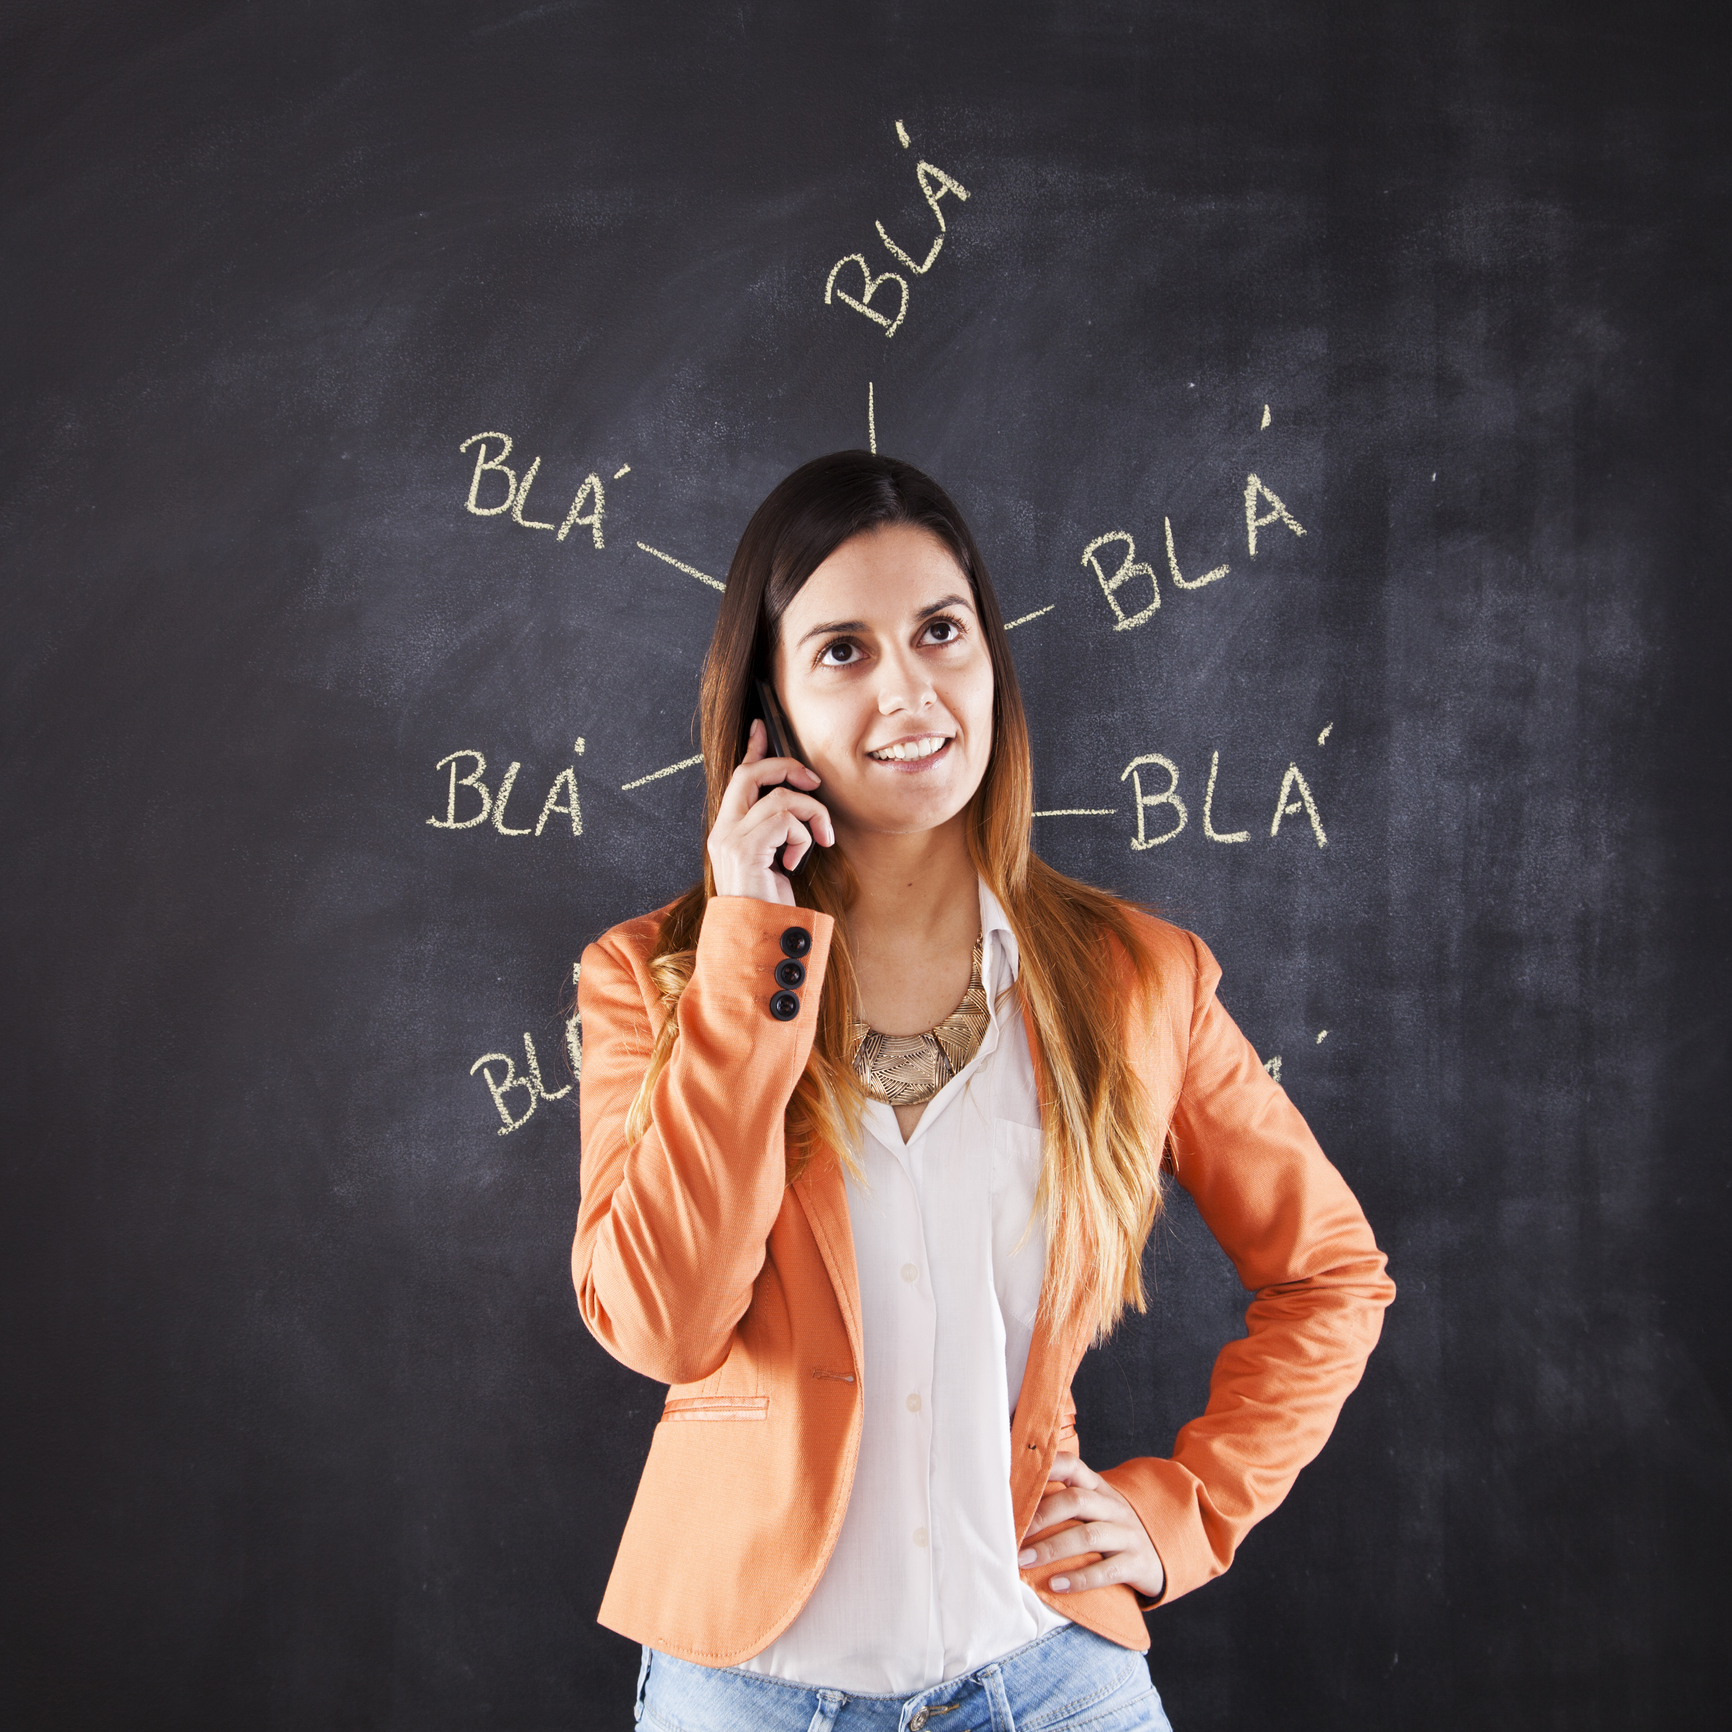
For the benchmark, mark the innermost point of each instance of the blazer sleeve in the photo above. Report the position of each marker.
(1301, 1244)
(671, 1229)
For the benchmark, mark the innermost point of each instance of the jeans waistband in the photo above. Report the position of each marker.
(1045, 1682)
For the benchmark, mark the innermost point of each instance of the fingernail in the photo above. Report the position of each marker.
(1024, 1559)
(1059, 1583)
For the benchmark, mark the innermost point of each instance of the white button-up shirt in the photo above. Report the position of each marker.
(923, 1583)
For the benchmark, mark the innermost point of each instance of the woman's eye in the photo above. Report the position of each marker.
(948, 630)
(836, 655)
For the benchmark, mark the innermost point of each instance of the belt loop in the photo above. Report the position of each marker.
(642, 1680)
(829, 1706)
(991, 1679)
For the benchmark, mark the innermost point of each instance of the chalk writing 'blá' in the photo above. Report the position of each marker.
(516, 500)
(1285, 807)
(1131, 567)
(934, 185)
(535, 1091)
(562, 798)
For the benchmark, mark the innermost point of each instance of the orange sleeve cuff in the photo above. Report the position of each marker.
(1170, 1502)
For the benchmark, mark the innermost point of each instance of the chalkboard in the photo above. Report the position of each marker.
(1338, 395)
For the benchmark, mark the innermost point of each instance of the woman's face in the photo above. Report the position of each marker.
(887, 682)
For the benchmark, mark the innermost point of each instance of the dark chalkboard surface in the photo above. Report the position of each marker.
(1426, 301)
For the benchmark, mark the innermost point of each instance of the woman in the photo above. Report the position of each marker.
(875, 1123)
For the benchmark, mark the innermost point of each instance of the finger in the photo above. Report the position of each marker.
(781, 804)
(1066, 1543)
(1055, 1507)
(792, 770)
(794, 850)
(1108, 1538)
(1101, 1575)
(766, 841)
(1073, 1470)
(797, 806)
(783, 843)
(758, 752)
(755, 774)
(1083, 1503)
(1098, 1514)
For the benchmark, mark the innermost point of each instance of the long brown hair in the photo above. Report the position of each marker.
(1100, 1187)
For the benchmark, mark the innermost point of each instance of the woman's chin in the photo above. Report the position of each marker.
(911, 815)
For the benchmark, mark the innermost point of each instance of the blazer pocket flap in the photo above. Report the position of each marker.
(717, 1407)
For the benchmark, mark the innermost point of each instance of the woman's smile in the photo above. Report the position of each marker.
(911, 755)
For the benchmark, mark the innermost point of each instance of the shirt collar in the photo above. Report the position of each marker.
(1002, 959)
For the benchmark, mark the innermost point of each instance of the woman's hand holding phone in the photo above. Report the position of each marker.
(762, 824)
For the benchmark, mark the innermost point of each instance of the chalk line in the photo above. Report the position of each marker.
(680, 565)
(656, 775)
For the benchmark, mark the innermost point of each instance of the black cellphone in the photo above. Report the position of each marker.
(782, 744)
(781, 739)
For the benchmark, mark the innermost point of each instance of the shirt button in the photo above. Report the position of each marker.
(784, 1006)
(914, 1404)
(790, 973)
(796, 941)
(909, 1272)
(920, 1536)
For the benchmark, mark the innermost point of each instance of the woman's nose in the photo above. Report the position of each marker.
(905, 694)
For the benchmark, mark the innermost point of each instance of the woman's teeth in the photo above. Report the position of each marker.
(906, 749)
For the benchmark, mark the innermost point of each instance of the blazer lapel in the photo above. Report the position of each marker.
(823, 1195)
(1053, 1352)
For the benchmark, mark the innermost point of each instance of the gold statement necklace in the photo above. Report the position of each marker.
(905, 1069)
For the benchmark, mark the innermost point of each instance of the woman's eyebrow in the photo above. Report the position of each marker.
(835, 625)
(926, 612)
(940, 605)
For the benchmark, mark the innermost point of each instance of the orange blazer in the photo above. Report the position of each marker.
(698, 1265)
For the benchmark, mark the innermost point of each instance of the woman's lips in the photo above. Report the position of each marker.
(913, 766)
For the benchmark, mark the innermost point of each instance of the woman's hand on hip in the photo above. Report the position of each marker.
(1110, 1526)
(752, 830)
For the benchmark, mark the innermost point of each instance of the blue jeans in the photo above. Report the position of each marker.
(1069, 1679)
